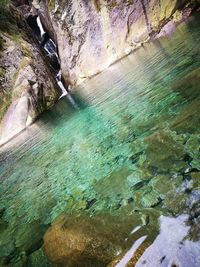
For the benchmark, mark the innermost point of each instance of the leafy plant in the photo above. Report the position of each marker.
(7, 23)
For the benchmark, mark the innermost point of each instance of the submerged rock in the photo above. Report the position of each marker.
(175, 202)
(83, 240)
(79, 241)
(195, 180)
(165, 152)
(38, 259)
(135, 180)
(150, 199)
(7, 248)
(29, 238)
(19, 241)
(162, 184)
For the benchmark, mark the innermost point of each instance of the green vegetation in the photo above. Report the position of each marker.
(51, 4)
(5, 101)
(4, 3)
(7, 23)
(24, 62)
(2, 72)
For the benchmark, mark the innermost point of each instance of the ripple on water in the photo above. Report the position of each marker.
(129, 159)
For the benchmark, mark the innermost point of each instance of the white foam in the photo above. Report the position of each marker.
(39, 23)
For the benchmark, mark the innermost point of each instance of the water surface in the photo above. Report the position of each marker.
(128, 158)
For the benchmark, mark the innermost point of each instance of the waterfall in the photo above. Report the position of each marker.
(50, 49)
(60, 84)
(72, 101)
(64, 91)
(39, 23)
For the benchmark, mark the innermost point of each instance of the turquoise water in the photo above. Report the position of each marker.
(128, 157)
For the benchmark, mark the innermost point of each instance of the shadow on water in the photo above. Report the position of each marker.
(63, 110)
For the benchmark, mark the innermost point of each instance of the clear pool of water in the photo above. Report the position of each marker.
(128, 157)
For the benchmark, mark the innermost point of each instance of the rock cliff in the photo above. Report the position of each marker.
(93, 34)
(26, 86)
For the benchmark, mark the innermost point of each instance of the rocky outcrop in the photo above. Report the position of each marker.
(26, 86)
(91, 35)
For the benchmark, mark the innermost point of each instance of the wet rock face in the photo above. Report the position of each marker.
(26, 87)
(93, 34)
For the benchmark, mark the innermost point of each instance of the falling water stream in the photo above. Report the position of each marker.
(39, 23)
(50, 49)
(126, 165)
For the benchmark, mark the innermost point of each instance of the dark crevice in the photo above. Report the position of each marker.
(46, 43)
(149, 28)
(31, 20)
(49, 50)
